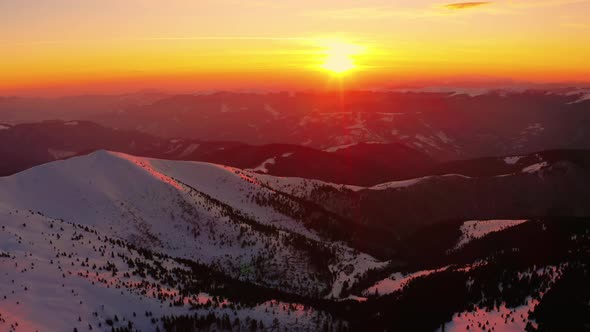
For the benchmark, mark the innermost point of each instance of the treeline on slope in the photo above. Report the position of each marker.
(426, 303)
(213, 322)
(377, 242)
(540, 241)
(513, 257)
(196, 278)
(565, 306)
(320, 254)
(557, 190)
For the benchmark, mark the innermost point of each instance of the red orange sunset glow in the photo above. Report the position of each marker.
(62, 46)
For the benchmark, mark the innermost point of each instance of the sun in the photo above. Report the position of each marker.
(339, 56)
(339, 63)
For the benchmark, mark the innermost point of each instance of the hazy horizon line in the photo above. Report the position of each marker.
(400, 87)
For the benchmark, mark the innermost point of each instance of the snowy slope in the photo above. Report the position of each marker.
(58, 276)
(503, 318)
(74, 233)
(396, 282)
(199, 211)
(475, 229)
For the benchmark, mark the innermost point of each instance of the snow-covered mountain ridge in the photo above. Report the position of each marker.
(199, 211)
(114, 241)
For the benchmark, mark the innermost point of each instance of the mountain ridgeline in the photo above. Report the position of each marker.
(410, 211)
(256, 231)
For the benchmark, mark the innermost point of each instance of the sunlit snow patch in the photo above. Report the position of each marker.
(397, 281)
(263, 168)
(512, 160)
(535, 167)
(410, 182)
(503, 319)
(475, 229)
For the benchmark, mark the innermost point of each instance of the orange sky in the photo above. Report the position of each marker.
(71, 46)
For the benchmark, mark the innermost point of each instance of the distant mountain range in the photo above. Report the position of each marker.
(365, 164)
(27, 145)
(447, 125)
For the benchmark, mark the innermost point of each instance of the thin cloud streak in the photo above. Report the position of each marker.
(467, 5)
(164, 38)
(225, 38)
(441, 10)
